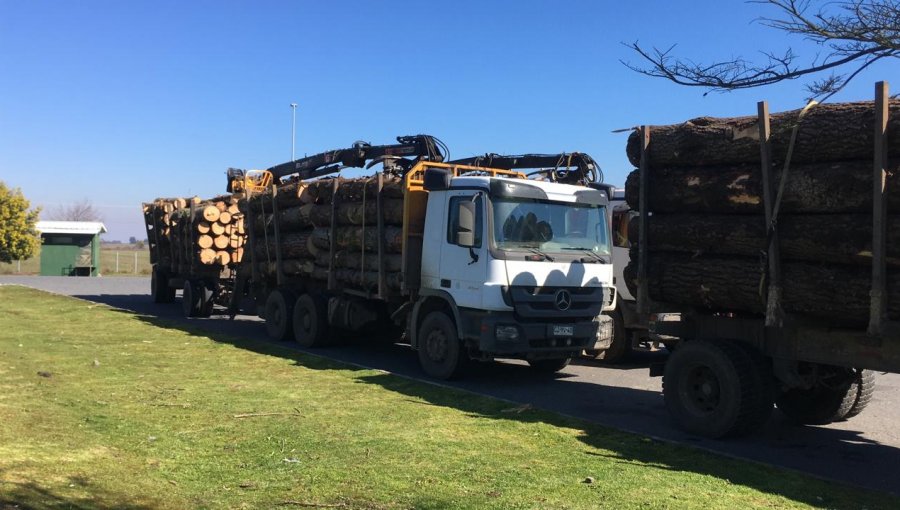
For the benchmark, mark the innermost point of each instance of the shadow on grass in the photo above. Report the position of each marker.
(32, 496)
(855, 459)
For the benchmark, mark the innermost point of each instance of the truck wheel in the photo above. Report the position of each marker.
(279, 310)
(712, 389)
(190, 298)
(549, 366)
(864, 392)
(620, 348)
(835, 397)
(311, 321)
(206, 300)
(159, 287)
(440, 350)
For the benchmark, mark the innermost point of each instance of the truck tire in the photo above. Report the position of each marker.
(842, 395)
(190, 299)
(549, 366)
(713, 389)
(620, 348)
(279, 312)
(310, 321)
(864, 392)
(159, 287)
(440, 351)
(206, 300)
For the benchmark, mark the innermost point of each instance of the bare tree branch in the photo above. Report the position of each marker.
(83, 210)
(855, 34)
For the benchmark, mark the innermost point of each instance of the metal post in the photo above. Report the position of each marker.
(643, 206)
(135, 262)
(879, 212)
(293, 128)
(117, 262)
(19, 266)
(774, 315)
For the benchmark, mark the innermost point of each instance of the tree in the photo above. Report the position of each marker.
(18, 237)
(854, 33)
(83, 210)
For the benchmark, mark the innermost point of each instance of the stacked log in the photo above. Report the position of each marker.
(196, 234)
(707, 236)
(303, 212)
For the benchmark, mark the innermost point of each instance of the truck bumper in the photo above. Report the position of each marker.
(500, 334)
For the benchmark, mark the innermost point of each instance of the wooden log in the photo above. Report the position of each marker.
(354, 213)
(828, 132)
(366, 280)
(204, 241)
(351, 238)
(291, 267)
(354, 260)
(220, 205)
(225, 217)
(217, 228)
(207, 256)
(233, 208)
(836, 295)
(293, 245)
(196, 200)
(838, 187)
(836, 238)
(210, 213)
(223, 257)
(221, 242)
(203, 227)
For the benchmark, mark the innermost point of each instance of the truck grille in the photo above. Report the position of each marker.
(531, 302)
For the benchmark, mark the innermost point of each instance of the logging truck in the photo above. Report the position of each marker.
(465, 262)
(770, 236)
(195, 245)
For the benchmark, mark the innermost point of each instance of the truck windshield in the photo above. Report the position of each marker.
(550, 226)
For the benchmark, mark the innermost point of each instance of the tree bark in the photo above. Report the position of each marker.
(353, 213)
(837, 187)
(351, 238)
(834, 294)
(836, 238)
(828, 132)
(293, 245)
(354, 260)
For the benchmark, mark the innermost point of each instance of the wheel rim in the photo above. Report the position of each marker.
(305, 321)
(436, 345)
(701, 387)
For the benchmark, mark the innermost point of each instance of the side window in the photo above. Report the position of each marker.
(620, 220)
(453, 218)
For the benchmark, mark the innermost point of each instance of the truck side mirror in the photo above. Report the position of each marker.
(465, 231)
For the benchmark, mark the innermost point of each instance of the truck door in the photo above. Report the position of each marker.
(463, 270)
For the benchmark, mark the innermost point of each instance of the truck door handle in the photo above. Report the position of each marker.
(445, 283)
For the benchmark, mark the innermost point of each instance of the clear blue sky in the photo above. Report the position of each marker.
(121, 102)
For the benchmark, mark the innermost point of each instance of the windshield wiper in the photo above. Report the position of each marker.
(594, 256)
(539, 252)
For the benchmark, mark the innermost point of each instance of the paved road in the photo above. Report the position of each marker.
(864, 451)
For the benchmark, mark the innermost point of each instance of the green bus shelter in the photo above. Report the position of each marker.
(70, 248)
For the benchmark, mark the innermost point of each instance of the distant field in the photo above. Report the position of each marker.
(127, 254)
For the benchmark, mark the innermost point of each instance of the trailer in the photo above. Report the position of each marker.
(461, 262)
(196, 246)
(730, 365)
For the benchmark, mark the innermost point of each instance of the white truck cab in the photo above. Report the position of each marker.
(526, 266)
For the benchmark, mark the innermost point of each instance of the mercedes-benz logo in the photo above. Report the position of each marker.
(563, 300)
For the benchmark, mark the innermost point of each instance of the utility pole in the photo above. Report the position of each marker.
(293, 128)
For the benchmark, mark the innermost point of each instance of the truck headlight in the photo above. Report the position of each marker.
(508, 333)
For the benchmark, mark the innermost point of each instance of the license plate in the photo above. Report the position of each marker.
(563, 330)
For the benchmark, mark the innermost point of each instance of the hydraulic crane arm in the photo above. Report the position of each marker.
(419, 146)
(394, 156)
(567, 168)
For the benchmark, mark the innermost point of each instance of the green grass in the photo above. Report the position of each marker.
(131, 412)
(108, 267)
